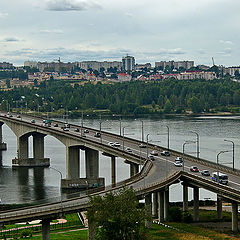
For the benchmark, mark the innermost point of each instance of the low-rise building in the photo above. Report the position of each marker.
(124, 77)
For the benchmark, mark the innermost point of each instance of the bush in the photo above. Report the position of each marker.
(175, 214)
(26, 233)
(187, 217)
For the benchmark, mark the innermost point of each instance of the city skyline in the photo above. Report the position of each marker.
(151, 31)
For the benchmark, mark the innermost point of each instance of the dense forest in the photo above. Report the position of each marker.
(130, 98)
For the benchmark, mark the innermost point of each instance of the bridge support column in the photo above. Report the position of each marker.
(134, 169)
(166, 203)
(219, 207)
(46, 229)
(185, 197)
(161, 206)
(196, 204)
(154, 205)
(113, 166)
(148, 203)
(92, 163)
(234, 217)
(3, 146)
(72, 163)
(38, 159)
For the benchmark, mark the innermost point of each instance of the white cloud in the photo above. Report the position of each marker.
(226, 42)
(70, 5)
(3, 15)
(57, 31)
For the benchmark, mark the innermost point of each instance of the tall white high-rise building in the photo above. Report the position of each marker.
(128, 63)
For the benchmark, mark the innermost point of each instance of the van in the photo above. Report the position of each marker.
(220, 177)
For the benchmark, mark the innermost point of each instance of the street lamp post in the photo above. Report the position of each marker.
(232, 150)
(142, 133)
(60, 184)
(218, 160)
(120, 129)
(187, 142)
(123, 131)
(147, 145)
(167, 137)
(197, 135)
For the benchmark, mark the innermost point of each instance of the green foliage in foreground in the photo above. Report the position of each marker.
(117, 216)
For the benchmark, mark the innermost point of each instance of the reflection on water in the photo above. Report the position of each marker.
(22, 185)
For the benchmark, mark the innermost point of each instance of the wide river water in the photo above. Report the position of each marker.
(27, 185)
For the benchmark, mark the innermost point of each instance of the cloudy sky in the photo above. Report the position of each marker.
(150, 30)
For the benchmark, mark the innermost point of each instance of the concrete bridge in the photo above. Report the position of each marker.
(151, 183)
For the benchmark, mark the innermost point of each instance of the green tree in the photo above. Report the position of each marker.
(118, 216)
(195, 105)
(167, 106)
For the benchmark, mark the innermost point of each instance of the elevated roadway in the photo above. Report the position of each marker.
(153, 180)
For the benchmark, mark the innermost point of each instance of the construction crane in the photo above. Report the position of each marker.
(59, 60)
(213, 61)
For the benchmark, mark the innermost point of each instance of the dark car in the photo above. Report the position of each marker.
(97, 134)
(55, 125)
(205, 173)
(194, 169)
(151, 157)
(86, 131)
(76, 130)
(165, 153)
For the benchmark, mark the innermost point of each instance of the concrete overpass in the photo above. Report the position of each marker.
(151, 183)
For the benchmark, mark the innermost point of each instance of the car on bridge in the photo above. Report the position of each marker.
(142, 145)
(151, 157)
(154, 152)
(178, 159)
(55, 125)
(116, 144)
(33, 121)
(128, 149)
(165, 153)
(18, 116)
(220, 177)
(111, 144)
(194, 169)
(97, 134)
(86, 131)
(76, 130)
(178, 164)
(205, 173)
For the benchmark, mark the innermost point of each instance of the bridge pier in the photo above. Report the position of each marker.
(148, 204)
(154, 204)
(234, 217)
(3, 146)
(72, 162)
(196, 204)
(219, 207)
(113, 166)
(161, 206)
(185, 197)
(166, 203)
(38, 159)
(46, 229)
(73, 179)
(134, 169)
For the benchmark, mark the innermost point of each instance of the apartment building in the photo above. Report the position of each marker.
(176, 65)
(95, 65)
(128, 63)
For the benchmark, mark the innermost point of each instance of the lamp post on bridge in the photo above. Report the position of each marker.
(168, 140)
(232, 150)
(218, 161)
(186, 142)
(147, 145)
(198, 150)
(142, 132)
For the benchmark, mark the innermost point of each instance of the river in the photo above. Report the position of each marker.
(27, 185)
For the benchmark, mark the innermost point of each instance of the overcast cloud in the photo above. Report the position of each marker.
(150, 30)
